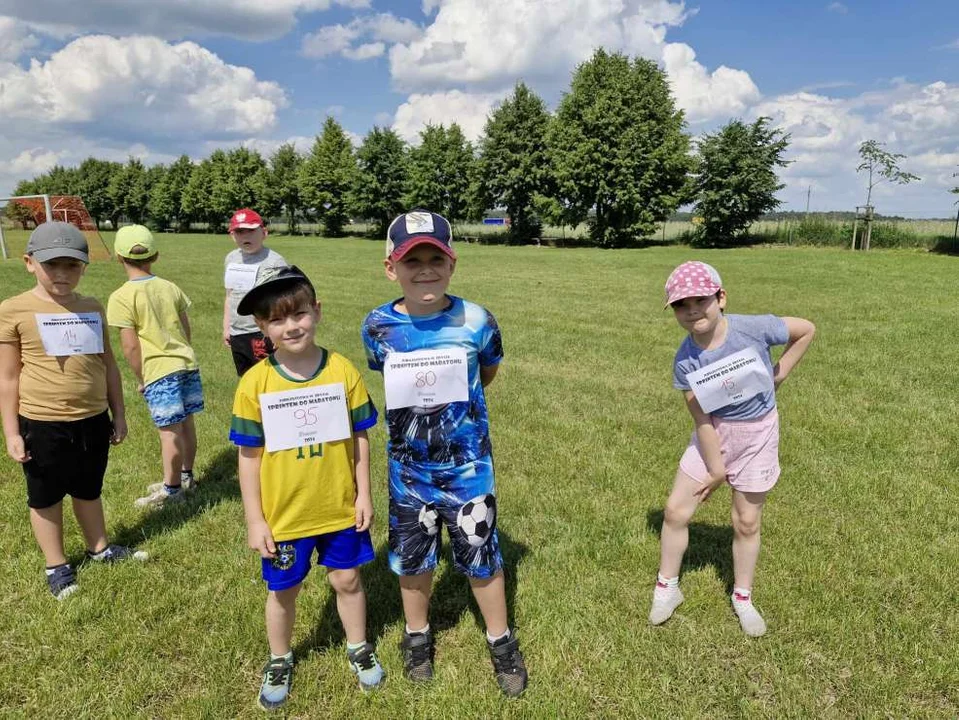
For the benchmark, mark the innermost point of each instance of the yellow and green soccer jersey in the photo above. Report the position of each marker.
(308, 490)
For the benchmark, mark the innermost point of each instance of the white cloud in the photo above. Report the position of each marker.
(139, 86)
(838, 8)
(170, 19)
(488, 46)
(365, 51)
(377, 29)
(34, 161)
(469, 110)
(704, 95)
(826, 134)
(15, 39)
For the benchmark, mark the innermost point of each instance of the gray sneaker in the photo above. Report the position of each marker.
(367, 667)
(417, 649)
(277, 680)
(161, 497)
(62, 581)
(117, 553)
(508, 665)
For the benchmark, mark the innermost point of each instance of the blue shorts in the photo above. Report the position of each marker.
(174, 397)
(461, 498)
(339, 550)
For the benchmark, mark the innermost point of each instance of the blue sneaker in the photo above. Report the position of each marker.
(62, 581)
(277, 679)
(367, 667)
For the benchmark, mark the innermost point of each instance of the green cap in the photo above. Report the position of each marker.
(128, 237)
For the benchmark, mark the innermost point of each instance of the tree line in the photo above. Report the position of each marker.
(616, 155)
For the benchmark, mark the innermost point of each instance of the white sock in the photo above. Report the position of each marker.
(742, 595)
(350, 647)
(666, 582)
(418, 632)
(491, 639)
(287, 656)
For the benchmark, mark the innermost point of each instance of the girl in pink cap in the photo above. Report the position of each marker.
(727, 376)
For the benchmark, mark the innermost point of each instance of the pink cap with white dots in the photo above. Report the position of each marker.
(692, 279)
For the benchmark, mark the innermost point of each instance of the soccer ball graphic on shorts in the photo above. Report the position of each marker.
(429, 519)
(476, 519)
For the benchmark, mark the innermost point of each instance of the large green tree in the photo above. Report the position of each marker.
(235, 180)
(382, 178)
(736, 180)
(282, 194)
(196, 202)
(166, 196)
(129, 192)
(94, 184)
(327, 176)
(441, 170)
(513, 168)
(619, 151)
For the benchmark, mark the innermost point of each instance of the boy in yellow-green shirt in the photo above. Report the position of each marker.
(151, 314)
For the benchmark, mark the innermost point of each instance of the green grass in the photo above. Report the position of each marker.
(857, 578)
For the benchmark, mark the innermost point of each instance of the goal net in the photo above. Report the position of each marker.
(65, 208)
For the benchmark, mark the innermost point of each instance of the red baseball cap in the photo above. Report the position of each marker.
(245, 219)
(692, 279)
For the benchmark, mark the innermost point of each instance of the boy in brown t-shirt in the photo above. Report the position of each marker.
(58, 377)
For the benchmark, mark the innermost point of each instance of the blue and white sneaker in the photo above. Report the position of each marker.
(277, 680)
(62, 581)
(117, 553)
(364, 663)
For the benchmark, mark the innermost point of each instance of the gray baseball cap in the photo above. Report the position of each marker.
(55, 240)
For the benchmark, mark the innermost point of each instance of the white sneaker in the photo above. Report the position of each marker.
(160, 497)
(750, 619)
(665, 602)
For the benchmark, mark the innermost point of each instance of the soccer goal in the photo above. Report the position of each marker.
(35, 209)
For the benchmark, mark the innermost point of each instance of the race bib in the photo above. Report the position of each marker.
(426, 378)
(71, 333)
(313, 415)
(731, 380)
(240, 277)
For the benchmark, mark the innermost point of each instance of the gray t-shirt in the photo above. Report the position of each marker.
(744, 331)
(242, 324)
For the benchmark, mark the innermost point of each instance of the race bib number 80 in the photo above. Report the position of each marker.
(426, 378)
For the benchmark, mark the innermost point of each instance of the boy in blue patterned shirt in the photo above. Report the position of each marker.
(437, 352)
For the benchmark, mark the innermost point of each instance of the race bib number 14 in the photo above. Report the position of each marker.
(71, 333)
(426, 378)
(313, 415)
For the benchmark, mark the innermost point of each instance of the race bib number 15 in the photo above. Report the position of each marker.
(426, 378)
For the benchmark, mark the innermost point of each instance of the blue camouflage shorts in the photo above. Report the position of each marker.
(174, 397)
(460, 498)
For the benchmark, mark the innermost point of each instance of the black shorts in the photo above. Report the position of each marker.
(248, 349)
(66, 458)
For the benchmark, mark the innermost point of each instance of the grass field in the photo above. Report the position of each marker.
(857, 578)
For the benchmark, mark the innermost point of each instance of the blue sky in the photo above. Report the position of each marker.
(115, 78)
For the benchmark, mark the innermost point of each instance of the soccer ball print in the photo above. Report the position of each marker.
(476, 519)
(429, 519)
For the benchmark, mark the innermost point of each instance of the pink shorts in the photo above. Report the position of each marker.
(750, 450)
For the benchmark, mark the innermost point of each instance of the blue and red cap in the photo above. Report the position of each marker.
(419, 227)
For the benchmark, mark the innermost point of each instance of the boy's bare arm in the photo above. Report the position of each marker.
(114, 393)
(708, 445)
(10, 400)
(226, 319)
(801, 334)
(187, 331)
(258, 533)
(361, 471)
(487, 373)
(130, 344)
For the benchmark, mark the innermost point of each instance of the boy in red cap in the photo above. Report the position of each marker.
(241, 267)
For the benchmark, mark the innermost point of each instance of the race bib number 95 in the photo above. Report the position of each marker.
(313, 415)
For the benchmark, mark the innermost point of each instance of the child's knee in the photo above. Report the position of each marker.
(677, 513)
(746, 526)
(346, 582)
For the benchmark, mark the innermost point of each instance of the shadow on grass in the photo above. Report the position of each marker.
(451, 598)
(946, 245)
(217, 482)
(709, 546)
